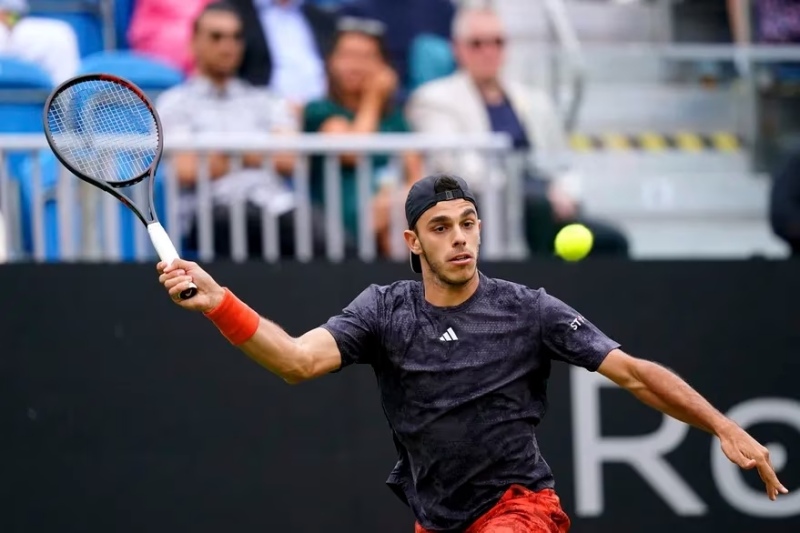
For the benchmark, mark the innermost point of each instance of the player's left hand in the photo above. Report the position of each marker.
(745, 451)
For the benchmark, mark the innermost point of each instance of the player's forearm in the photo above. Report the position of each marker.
(262, 340)
(663, 390)
(278, 352)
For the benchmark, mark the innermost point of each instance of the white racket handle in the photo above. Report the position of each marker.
(167, 252)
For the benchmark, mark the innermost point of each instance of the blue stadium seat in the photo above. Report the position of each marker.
(24, 87)
(430, 57)
(149, 74)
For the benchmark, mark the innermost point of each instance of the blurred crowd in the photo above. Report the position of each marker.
(340, 68)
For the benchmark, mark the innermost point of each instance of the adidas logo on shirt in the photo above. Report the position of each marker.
(449, 336)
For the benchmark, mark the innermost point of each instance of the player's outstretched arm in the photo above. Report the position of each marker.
(294, 359)
(661, 389)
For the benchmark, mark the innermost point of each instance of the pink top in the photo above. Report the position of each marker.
(163, 29)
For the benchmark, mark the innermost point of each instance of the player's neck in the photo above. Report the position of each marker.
(440, 294)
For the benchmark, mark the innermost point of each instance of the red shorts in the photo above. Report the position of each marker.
(520, 510)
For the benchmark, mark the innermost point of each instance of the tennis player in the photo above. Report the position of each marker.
(462, 361)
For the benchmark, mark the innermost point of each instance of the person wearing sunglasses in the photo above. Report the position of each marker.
(479, 98)
(216, 101)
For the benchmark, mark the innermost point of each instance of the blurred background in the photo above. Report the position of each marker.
(292, 128)
(292, 131)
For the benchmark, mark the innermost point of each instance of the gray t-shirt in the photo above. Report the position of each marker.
(464, 387)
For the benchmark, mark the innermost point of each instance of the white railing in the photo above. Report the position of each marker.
(46, 208)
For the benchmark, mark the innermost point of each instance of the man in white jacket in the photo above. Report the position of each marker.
(479, 99)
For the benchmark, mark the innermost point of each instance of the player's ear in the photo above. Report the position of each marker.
(412, 241)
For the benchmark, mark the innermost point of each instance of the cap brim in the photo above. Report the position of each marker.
(416, 265)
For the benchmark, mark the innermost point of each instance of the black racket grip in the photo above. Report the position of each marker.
(189, 293)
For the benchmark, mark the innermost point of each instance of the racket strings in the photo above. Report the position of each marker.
(104, 130)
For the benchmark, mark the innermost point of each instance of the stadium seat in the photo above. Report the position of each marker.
(149, 74)
(430, 57)
(24, 87)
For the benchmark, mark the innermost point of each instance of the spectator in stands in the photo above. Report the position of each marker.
(216, 101)
(360, 100)
(785, 204)
(286, 41)
(162, 29)
(478, 99)
(51, 44)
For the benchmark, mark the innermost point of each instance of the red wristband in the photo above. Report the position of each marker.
(234, 319)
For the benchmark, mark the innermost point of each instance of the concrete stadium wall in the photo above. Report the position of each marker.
(121, 412)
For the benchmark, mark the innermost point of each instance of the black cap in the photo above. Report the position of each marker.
(423, 196)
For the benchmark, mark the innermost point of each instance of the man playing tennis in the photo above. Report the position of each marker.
(462, 362)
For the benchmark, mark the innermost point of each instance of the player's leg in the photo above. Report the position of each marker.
(521, 510)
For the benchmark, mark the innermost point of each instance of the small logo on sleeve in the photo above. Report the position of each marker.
(577, 322)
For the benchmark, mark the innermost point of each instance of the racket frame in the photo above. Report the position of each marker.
(110, 187)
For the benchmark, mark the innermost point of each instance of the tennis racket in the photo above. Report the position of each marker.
(106, 131)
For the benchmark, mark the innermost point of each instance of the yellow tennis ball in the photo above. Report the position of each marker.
(574, 242)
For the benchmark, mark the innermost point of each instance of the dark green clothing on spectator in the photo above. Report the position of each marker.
(315, 114)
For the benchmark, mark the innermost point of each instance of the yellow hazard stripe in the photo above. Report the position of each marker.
(685, 141)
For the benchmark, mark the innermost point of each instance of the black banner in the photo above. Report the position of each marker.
(121, 412)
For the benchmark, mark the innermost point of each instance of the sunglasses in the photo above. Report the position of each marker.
(477, 44)
(217, 36)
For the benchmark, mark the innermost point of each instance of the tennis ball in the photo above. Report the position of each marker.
(574, 242)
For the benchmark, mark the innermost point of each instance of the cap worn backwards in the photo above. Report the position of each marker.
(428, 192)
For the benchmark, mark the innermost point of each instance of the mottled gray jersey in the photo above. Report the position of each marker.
(464, 387)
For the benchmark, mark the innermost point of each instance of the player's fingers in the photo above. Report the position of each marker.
(177, 280)
(163, 278)
(741, 460)
(181, 264)
(770, 478)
